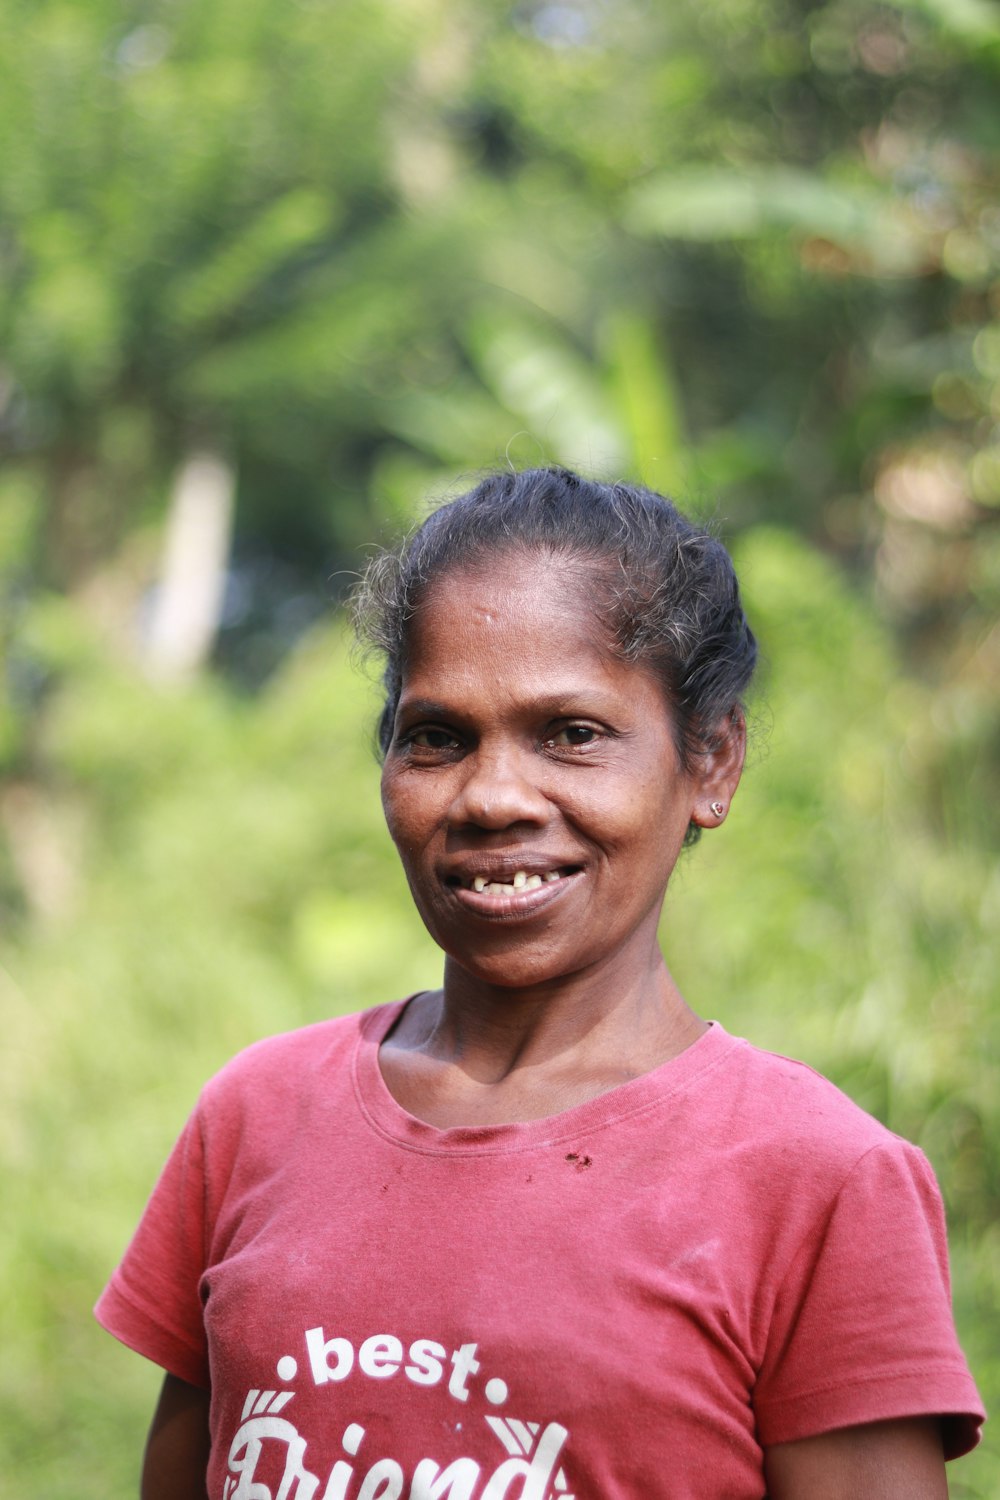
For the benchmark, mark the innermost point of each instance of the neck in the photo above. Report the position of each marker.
(479, 1053)
(606, 1023)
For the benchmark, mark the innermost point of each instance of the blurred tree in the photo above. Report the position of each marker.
(273, 272)
(246, 215)
(353, 250)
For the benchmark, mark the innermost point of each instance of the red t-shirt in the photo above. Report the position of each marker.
(625, 1300)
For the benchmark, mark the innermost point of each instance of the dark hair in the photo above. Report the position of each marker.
(667, 595)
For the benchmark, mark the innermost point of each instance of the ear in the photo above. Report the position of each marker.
(718, 771)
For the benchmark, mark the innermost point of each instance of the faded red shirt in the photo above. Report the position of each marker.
(629, 1299)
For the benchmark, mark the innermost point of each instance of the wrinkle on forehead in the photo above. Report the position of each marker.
(527, 572)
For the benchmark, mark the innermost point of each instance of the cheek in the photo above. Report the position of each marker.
(638, 812)
(394, 810)
(410, 810)
(649, 824)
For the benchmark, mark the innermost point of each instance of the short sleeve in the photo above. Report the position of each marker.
(152, 1302)
(862, 1328)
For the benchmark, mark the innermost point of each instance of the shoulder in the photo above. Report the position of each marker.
(291, 1062)
(785, 1094)
(804, 1174)
(856, 1318)
(796, 1122)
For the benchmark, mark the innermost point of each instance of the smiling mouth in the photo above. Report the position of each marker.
(519, 880)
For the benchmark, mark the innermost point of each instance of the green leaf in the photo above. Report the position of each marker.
(280, 232)
(729, 203)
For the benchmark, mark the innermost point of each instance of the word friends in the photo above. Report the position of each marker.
(530, 1471)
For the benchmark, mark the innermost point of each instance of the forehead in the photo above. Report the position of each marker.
(522, 591)
(519, 621)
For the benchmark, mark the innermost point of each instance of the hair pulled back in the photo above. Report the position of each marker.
(665, 590)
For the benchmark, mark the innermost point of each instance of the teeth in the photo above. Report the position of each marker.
(518, 882)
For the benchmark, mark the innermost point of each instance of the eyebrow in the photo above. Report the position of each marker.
(565, 702)
(424, 708)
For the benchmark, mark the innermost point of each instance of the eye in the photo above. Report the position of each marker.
(572, 737)
(429, 737)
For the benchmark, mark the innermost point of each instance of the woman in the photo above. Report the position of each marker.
(545, 1232)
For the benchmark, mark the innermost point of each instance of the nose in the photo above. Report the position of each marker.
(498, 790)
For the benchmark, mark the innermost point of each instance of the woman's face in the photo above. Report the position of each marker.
(532, 785)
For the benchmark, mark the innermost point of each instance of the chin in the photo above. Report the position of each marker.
(507, 971)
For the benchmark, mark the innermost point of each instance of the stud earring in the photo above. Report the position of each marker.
(718, 808)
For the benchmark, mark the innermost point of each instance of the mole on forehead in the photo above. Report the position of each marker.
(534, 595)
(492, 587)
(529, 616)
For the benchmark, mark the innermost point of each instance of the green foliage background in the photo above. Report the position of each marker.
(745, 250)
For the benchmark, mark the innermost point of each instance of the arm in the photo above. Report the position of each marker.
(176, 1459)
(899, 1460)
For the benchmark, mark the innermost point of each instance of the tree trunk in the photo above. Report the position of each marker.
(188, 602)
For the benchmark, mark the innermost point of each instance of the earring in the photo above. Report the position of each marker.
(718, 808)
